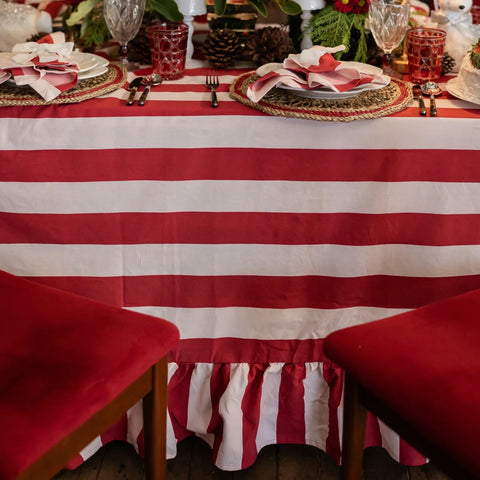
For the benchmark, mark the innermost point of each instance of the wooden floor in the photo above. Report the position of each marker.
(119, 461)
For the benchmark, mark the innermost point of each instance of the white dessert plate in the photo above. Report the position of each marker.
(87, 61)
(93, 72)
(454, 89)
(365, 67)
(323, 93)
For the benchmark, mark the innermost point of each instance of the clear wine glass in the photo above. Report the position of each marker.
(388, 20)
(123, 19)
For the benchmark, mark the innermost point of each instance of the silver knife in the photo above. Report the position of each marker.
(133, 87)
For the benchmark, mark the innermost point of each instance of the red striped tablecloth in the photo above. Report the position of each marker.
(255, 235)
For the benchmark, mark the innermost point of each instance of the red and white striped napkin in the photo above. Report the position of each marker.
(313, 68)
(43, 65)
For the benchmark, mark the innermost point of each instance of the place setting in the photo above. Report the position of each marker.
(314, 85)
(50, 71)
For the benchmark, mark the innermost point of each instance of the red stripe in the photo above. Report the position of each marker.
(241, 228)
(218, 384)
(251, 412)
(190, 291)
(241, 350)
(243, 164)
(409, 456)
(373, 437)
(118, 431)
(109, 107)
(178, 396)
(291, 409)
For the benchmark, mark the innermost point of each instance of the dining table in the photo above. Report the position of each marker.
(256, 234)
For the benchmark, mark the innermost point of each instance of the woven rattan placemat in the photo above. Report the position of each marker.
(370, 104)
(115, 77)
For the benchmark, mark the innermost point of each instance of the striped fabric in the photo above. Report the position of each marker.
(255, 235)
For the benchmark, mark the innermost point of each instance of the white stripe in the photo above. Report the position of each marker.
(91, 448)
(265, 323)
(267, 424)
(134, 424)
(240, 196)
(187, 80)
(199, 401)
(390, 441)
(158, 96)
(171, 440)
(316, 406)
(230, 409)
(256, 132)
(241, 259)
(455, 103)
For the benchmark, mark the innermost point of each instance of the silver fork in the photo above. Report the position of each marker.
(212, 83)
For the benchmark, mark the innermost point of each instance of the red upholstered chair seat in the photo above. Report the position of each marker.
(420, 371)
(63, 358)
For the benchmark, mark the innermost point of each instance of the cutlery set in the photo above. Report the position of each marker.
(148, 81)
(430, 89)
(211, 82)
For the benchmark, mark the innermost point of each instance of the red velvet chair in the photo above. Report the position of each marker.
(70, 367)
(419, 372)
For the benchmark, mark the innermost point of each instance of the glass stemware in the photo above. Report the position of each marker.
(123, 19)
(388, 21)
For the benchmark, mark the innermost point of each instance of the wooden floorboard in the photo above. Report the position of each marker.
(119, 461)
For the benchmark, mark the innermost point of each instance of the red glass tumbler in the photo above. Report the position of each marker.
(425, 54)
(168, 48)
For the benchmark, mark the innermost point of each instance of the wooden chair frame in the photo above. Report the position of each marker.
(152, 388)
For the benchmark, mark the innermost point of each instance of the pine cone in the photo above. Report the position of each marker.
(447, 63)
(269, 44)
(221, 48)
(36, 37)
(139, 47)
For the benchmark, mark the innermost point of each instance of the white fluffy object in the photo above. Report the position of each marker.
(19, 22)
(455, 19)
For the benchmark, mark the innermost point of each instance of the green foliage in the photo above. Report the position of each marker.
(330, 28)
(289, 7)
(260, 6)
(94, 31)
(166, 8)
(86, 23)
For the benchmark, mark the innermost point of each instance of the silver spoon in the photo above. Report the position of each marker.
(417, 91)
(432, 89)
(149, 81)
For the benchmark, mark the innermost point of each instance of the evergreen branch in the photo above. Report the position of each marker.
(330, 28)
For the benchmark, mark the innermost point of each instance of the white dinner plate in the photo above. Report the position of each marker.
(93, 72)
(454, 89)
(323, 93)
(87, 61)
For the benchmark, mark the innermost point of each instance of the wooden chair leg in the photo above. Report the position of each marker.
(354, 422)
(155, 423)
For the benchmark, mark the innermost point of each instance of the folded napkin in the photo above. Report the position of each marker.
(43, 65)
(313, 68)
